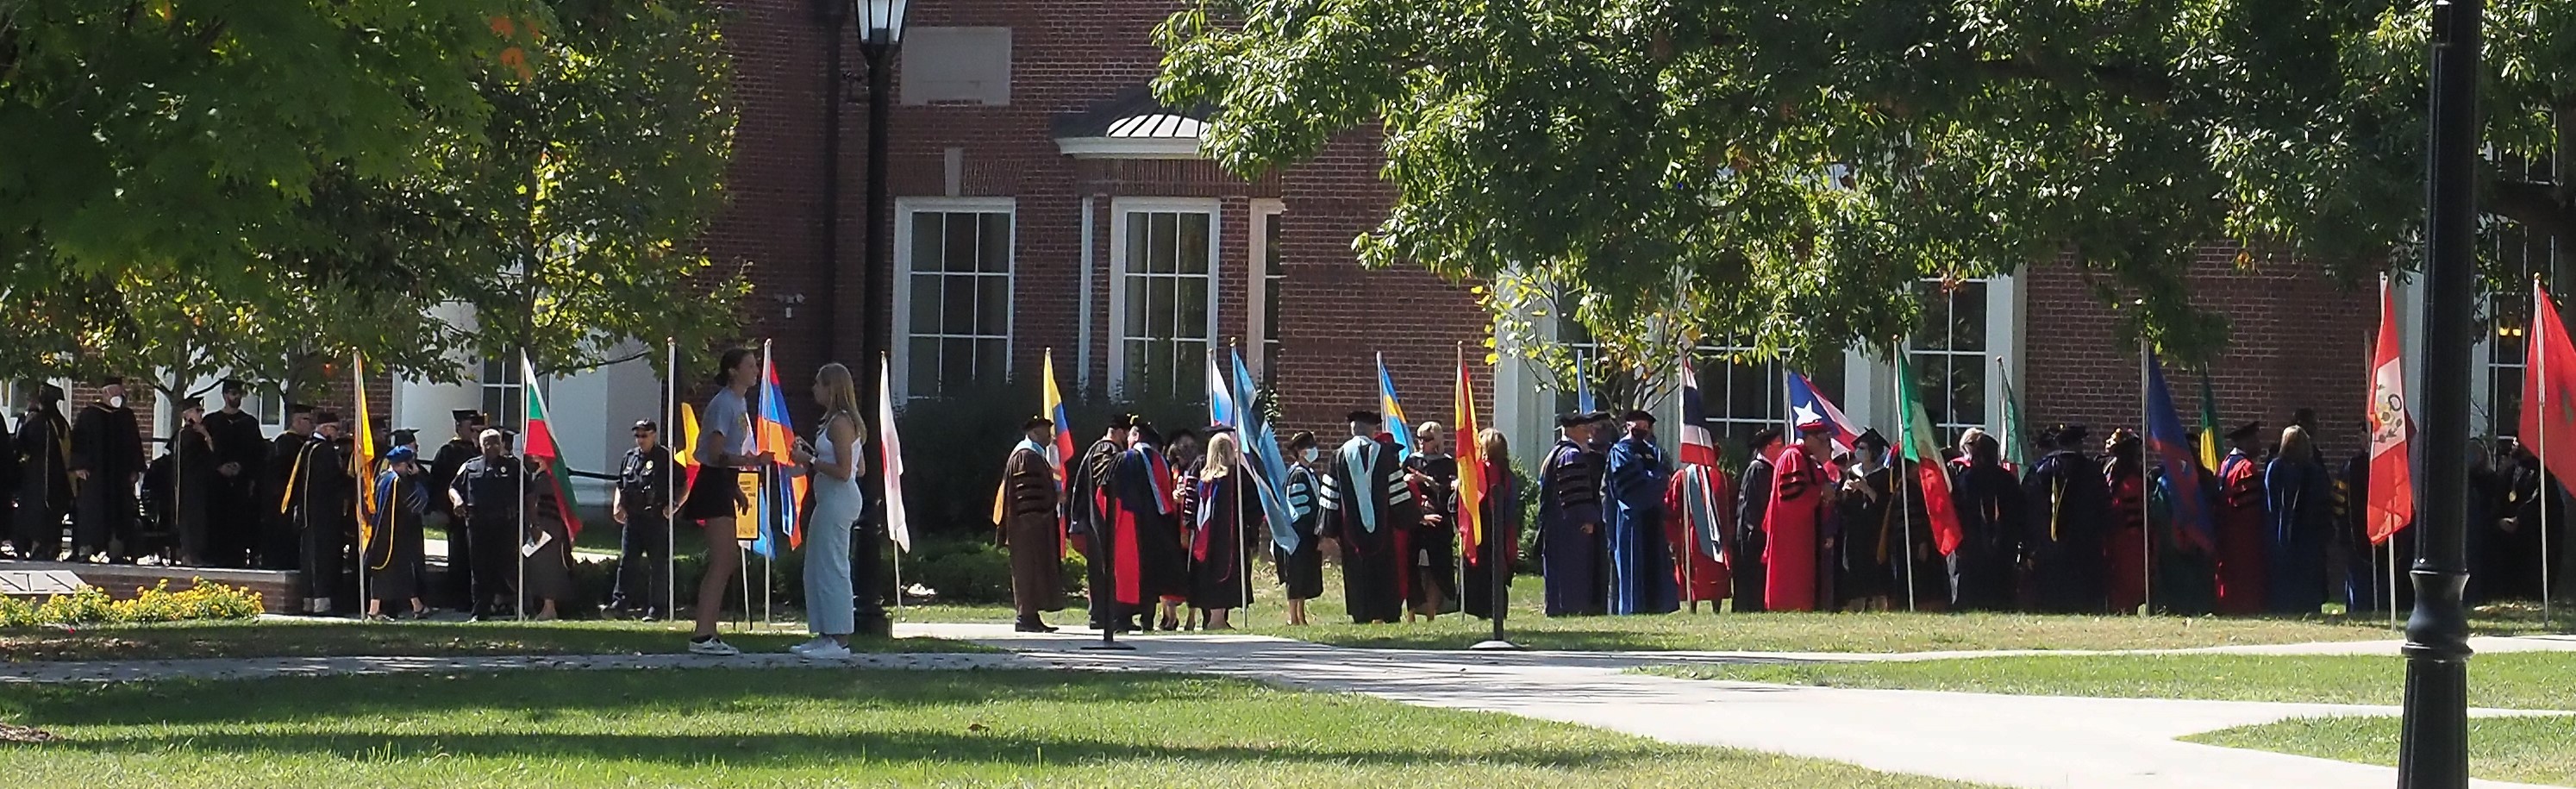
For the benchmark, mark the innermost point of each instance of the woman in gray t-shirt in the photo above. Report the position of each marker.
(724, 452)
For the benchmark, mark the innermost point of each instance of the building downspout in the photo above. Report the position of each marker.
(835, 15)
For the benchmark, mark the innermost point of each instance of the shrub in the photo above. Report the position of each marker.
(204, 601)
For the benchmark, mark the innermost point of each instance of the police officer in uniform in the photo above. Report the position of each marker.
(489, 494)
(643, 510)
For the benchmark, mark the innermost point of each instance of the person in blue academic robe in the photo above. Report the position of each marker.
(2069, 509)
(2299, 495)
(1570, 515)
(1641, 564)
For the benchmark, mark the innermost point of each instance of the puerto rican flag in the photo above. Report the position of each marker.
(1806, 405)
(1699, 445)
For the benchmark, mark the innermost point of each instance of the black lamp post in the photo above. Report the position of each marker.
(2433, 752)
(880, 24)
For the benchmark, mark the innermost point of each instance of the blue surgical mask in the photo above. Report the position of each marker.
(1308, 453)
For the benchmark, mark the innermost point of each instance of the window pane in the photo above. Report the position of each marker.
(1139, 242)
(1968, 317)
(956, 363)
(1193, 308)
(993, 307)
(1270, 244)
(2508, 401)
(958, 294)
(1968, 390)
(1163, 242)
(1269, 328)
(1137, 306)
(992, 361)
(1158, 318)
(924, 368)
(926, 238)
(1193, 243)
(959, 254)
(1931, 329)
(1929, 390)
(994, 251)
(1138, 361)
(925, 303)
(1189, 367)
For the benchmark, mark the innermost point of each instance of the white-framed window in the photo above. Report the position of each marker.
(1743, 397)
(1163, 258)
(504, 393)
(1948, 353)
(952, 294)
(1265, 277)
(2508, 311)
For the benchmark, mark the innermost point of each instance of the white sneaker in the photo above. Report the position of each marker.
(828, 651)
(712, 646)
(808, 647)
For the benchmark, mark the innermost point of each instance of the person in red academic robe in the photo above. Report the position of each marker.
(1793, 527)
(1699, 511)
(2125, 549)
(2241, 523)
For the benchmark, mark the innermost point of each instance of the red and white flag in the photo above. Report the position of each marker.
(2391, 497)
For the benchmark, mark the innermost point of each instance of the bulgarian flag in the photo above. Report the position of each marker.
(541, 444)
(1915, 442)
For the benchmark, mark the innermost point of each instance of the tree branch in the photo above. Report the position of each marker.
(2120, 79)
(2536, 205)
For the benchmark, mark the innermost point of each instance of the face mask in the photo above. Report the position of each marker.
(116, 402)
(1309, 454)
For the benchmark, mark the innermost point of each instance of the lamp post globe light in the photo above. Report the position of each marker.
(880, 32)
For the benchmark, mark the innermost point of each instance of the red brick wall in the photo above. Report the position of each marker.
(2297, 340)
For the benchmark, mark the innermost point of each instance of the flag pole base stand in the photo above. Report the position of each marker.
(1108, 643)
(1494, 645)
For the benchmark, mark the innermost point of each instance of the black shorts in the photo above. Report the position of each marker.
(712, 496)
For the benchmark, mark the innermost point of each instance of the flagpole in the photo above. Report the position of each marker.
(1904, 497)
(2392, 580)
(2540, 372)
(2146, 519)
(1243, 443)
(671, 480)
(519, 594)
(1690, 529)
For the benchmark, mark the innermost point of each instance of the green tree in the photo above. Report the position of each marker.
(1796, 171)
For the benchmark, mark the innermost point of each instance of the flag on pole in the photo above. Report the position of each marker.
(1395, 421)
(1269, 466)
(1471, 468)
(1807, 405)
(890, 463)
(2016, 443)
(2209, 432)
(776, 435)
(2549, 389)
(1699, 444)
(541, 444)
(1915, 441)
(362, 463)
(1223, 409)
(687, 454)
(2391, 495)
(2192, 512)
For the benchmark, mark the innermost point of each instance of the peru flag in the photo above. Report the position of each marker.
(2391, 497)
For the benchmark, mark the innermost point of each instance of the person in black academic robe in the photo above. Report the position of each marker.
(1219, 581)
(240, 461)
(547, 548)
(393, 550)
(1752, 502)
(1369, 511)
(1089, 488)
(280, 544)
(456, 589)
(189, 499)
(2069, 507)
(1301, 564)
(1873, 531)
(2299, 494)
(1146, 494)
(107, 464)
(2513, 550)
(8, 473)
(44, 480)
(1989, 503)
(1500, 514)
(1432, 589)
(1570, 518)
(321, 502)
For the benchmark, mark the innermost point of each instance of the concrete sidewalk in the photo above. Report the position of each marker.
(2024, 741)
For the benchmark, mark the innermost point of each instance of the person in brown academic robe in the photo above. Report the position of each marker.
(1031, 529)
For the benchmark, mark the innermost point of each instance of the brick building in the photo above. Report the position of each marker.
(1043, 200)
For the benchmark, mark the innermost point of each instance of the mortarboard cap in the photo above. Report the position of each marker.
(1218, 430)
(1570, 419)
(405, 436)
(1637, 415)
(325, 417)
(401, 455)
(1762, 438)
(298, 408)
(2069, 435)
(1365, 418)
(1871, 438)
(1036, 421)
(2246, 431)
(50, 393)
(466, 415)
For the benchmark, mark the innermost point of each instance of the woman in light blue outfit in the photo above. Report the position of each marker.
(831, 460)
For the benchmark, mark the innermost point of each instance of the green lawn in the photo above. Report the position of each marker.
(2525, 750)
(303, 638)
(705, 727)
(2513, 680)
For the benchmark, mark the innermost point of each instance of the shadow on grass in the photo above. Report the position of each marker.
(398, 639)
(986, 717)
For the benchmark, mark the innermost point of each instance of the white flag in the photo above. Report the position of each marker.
(892, 462)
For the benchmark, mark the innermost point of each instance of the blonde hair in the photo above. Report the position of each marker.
(1222, 454)
(844, 390)
(1491, 445)
(2295, 443)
